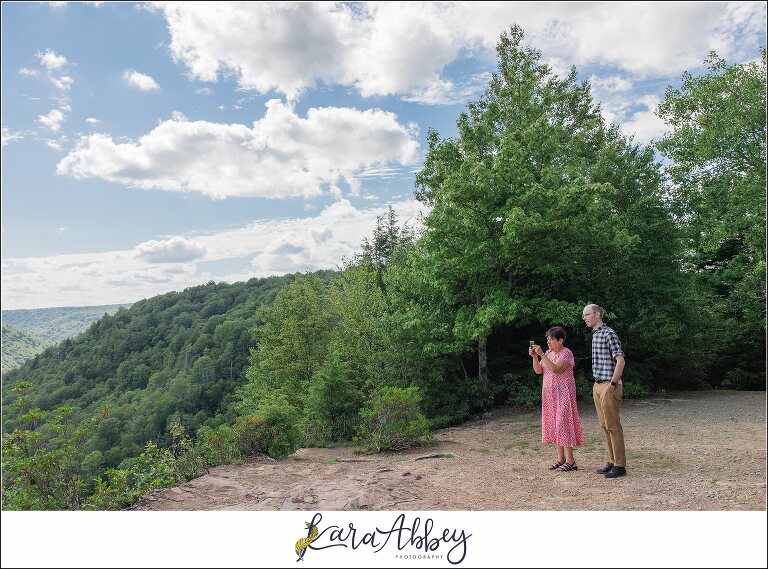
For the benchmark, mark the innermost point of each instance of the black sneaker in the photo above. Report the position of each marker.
(605, 469)
(616, 471)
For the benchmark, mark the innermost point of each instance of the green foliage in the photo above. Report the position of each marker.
(524, 388)
(19, 346)
(37, 476)
(392, 420)
(631, 390)
(189, 462)
(332, 404)
(293, 341)
(175, 357)
(717, 148)
(539, 207)
(276, 430)
(218, 446)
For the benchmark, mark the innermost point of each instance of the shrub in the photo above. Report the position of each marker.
(188, 461)
(585, 383)
(392, 420)
(633, 390)
(218, 446)
(741, 379)
(274, 430)
(332, 404)
(524, 388)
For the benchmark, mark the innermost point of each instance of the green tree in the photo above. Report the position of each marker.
(717, 148)
(537, 208)
(292, 344)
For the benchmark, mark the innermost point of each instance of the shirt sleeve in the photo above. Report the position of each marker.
(614, 345)
(568, 357)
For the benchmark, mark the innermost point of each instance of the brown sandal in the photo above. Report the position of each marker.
(556, 465)
(568, 466)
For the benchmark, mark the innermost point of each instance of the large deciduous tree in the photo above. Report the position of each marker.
(717, 148)
(538, 207)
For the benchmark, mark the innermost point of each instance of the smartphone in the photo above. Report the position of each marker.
(531, 343)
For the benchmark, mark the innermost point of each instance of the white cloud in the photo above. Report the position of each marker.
(283, 155)
(52, 120)
(139, 80)
(277, 247)
(53, 144)
(91, 120)
(28, 72)
(403, 48)
(51, 60)
(63, 83)
(173, 250)
(10, 135)
(610, 84)
(644, 125)
(60, 230)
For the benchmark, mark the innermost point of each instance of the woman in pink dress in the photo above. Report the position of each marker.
(560, 423)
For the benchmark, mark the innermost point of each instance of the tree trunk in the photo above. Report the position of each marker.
(482, 357)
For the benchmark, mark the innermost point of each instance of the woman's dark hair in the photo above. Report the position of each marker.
(556, 332)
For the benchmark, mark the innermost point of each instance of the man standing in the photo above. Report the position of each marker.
(607, 365)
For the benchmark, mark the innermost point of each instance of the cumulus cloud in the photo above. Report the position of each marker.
(403, 48)
(262, 248)
(91, 120)
(282, 155)
(52, 120)
(139, 80)
(173, 250)
(378, 48)
(51, 60)
(28, 72)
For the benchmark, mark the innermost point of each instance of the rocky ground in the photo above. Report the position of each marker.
(685, 451)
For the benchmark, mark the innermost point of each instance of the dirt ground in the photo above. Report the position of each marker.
(685, 451)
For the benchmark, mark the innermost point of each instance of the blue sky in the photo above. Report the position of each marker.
(148, 147)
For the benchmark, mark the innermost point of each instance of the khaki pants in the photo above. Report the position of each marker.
(608, 405)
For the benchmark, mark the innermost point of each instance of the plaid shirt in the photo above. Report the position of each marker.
(605, 348)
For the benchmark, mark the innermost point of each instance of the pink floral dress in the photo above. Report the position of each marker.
(560, 422)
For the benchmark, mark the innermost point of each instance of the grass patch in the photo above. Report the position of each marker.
(653, 459)
(592, 442)
(482, 450)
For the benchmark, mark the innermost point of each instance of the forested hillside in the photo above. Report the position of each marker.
(177, 356)
(56, 324)
(19, 346)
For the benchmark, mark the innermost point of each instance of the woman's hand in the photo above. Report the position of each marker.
(538, 350)
(531, 352)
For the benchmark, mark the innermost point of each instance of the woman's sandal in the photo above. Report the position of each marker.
(556, 465)
(567, 467)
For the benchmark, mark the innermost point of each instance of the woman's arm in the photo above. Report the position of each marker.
(563, 364)
(536, 363)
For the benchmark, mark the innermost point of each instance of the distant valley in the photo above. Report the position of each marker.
(27, 332)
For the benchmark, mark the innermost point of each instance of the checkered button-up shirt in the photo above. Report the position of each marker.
(605, 348)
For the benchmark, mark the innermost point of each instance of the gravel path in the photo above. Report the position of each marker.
(685, 451)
